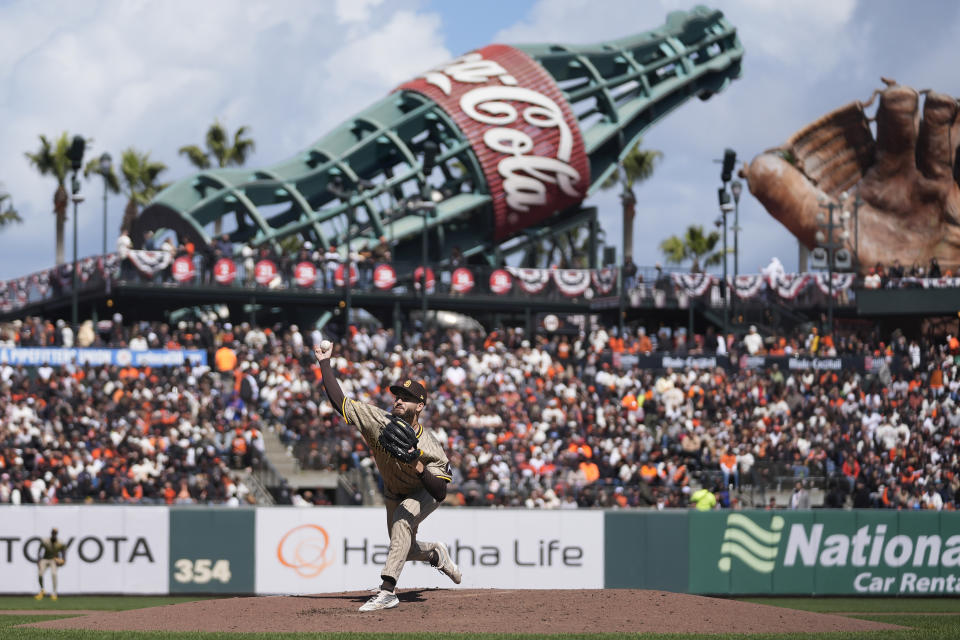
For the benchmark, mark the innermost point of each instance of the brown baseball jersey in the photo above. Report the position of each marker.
(399, 480)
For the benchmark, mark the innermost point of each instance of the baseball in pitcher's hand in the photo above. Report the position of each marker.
(323, 351)
(906, 177)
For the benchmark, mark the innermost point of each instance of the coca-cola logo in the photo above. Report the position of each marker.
(521, 129)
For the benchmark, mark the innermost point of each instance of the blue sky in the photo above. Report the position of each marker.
(154, 75)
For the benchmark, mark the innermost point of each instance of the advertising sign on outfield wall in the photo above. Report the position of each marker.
(211, 550)
(110, 549)
(342, 549)
(863, 552)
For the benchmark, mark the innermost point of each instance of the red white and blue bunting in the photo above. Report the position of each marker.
(939, 283)
(789, 285)
(841, 282)
(604, 280)
(692, 284)
(746, 287)
(150, 262)
(572, 282)
(530, 280)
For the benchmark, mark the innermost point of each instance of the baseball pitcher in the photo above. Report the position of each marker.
(415, 473)
(52, 558)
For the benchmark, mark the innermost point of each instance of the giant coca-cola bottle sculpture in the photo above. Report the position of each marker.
(500, 139)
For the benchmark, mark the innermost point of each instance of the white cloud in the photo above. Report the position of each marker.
(801, 60)
(154, 75)
(371, 59)
(356, 10)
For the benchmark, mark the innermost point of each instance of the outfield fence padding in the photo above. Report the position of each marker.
(267, 550)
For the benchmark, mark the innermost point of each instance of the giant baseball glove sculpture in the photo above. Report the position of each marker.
(399, 440)
(906, 178)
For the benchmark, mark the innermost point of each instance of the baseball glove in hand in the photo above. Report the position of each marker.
(399, 440)
(60, 562)
(906, 178)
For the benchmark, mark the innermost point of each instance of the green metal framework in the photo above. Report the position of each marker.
(616, 89)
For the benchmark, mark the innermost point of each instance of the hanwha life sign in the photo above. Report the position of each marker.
(335, 549)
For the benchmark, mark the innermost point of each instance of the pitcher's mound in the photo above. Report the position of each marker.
(474, 610)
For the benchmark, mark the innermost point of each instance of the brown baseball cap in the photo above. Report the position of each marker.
(410, 390)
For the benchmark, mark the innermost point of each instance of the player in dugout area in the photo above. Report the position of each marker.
(415, 473)
(51, 557)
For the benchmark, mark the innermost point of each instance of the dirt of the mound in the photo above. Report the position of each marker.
(474, 610)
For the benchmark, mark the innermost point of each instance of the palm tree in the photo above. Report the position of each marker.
(220, 149)
(140, 184)
(51, 159)
(636, 167)
(695, 246)
(8, 215)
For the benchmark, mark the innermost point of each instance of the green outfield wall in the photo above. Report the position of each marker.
(870, 552)
(818, 552)
(266, 550)
(212, 551)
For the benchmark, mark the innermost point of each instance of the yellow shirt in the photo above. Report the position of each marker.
(703, 499)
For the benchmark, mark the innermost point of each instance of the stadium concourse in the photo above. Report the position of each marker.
(536, 421)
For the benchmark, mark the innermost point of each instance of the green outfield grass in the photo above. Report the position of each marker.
(99, 603)
(864, 605)
(905, 612)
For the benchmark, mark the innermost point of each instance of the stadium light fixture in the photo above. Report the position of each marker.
(736, 188)
(106, 166)
(75, 155)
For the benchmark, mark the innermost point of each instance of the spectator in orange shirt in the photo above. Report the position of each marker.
(590, 471)
(649, 472)
(225, 358)
(728, 467)
(644, 345)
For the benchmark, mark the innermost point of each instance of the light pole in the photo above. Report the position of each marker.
(845, 216)
(736, 188)
(337, 188)
(423, 208)
(429, 197)
(725, 207)
(726, 174)
(830, 250)
(106, 165)
(423, 262)
(75, 155)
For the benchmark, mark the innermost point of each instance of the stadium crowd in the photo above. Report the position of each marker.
(559, 421)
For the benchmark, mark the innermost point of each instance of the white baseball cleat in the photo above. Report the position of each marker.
(383, 600)
(446, 566)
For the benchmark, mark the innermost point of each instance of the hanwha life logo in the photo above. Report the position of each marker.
(304, 549)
